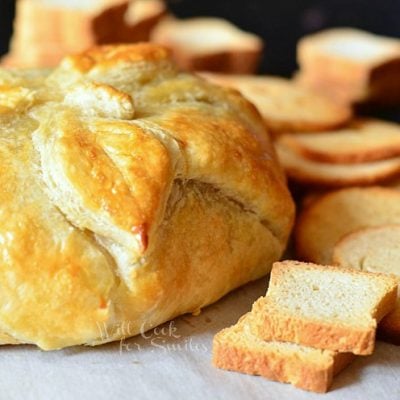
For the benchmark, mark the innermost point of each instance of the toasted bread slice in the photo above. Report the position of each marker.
(356, 65)
(331, 216)
(209, 44)
(141, 10)
(140, 19)
(375, 249)
(338, 92)
(285, 106)
(362, 140)
(380, 93)
(238, 349)
(306, 171)
(346, 47)
(324, 307)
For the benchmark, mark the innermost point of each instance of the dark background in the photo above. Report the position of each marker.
(279, 22)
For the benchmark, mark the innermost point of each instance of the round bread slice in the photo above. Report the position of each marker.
(332, 216)
(374, 249)
(305, 171)
(363, 140)
(285, 106)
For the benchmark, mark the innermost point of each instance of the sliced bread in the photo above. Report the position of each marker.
(209, 44)
(375, 249)
(357, 65)
(46, 30)
(305, 171)
(331, 216)
(238, 349)
(285, 106)
(362, 140)
(340, 93)
(324, 307)
(140, 19)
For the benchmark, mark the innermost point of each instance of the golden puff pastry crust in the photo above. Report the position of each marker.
(131, 193)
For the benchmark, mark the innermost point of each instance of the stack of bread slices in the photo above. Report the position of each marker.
(46, 30)
(211, 44)
(318, 142)
(309, 326)
(320, 312)
(66, 27)
(284, 105)
(366, 151)
(351, 66)
(356, 228)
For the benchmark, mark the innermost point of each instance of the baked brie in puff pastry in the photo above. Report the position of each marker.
(130, 193)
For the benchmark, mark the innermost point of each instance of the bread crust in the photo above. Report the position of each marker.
(128, 199)
(138, 22)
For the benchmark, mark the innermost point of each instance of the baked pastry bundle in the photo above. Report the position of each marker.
(131, 193)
